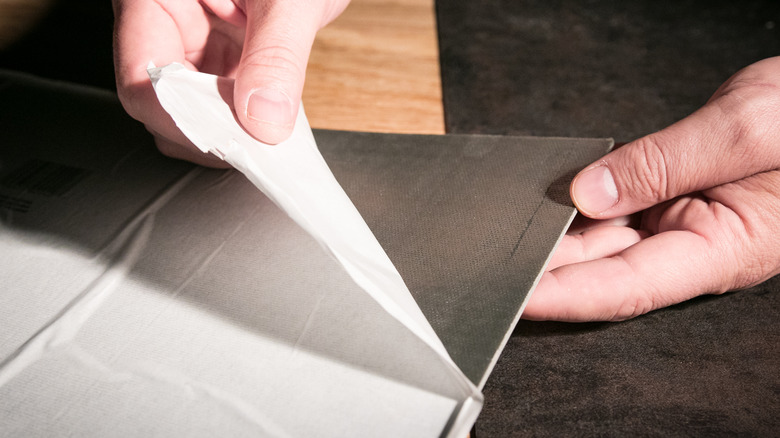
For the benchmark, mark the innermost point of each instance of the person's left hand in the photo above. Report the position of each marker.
(263, 44)
(707, 190)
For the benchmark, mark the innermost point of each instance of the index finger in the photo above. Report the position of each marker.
(659, 271)
(146, 32)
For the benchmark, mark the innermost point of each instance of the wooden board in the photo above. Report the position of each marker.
(376, 68)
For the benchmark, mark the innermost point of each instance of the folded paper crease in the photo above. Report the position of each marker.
(295, 176)
(144, 295)
(122, 252)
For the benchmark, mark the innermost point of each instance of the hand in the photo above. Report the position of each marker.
(707, 190)
(263, 44)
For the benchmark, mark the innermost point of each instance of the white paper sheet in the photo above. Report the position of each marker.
(295, 176)
(148, 297)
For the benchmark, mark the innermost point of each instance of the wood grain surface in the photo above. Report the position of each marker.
(376, 68)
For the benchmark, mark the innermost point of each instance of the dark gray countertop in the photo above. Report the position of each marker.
(710, 366)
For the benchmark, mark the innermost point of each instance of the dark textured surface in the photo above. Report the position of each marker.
(708, 367)
(622, 69)
(593, 68)
(468, 220)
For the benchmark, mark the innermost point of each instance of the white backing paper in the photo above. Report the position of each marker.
(295, 176)
(155, 298)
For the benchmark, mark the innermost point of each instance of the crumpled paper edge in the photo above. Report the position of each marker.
(294, 175)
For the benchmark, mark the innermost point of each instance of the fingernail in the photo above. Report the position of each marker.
(594, 191)
(270, 106)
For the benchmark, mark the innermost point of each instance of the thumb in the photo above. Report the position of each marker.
(270, 76)
(726, 140)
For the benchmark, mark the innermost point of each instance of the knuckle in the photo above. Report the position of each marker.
(634, 305)
(751, 114)
(278, 61)
(647, 178)
(637, 298)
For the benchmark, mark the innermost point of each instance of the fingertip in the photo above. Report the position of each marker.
(270, 107)
(270, 115)
(594, 191)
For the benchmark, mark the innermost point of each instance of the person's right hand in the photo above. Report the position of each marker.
(263, 44)
(704, 196)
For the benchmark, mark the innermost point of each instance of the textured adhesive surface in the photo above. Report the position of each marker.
(469, 222)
